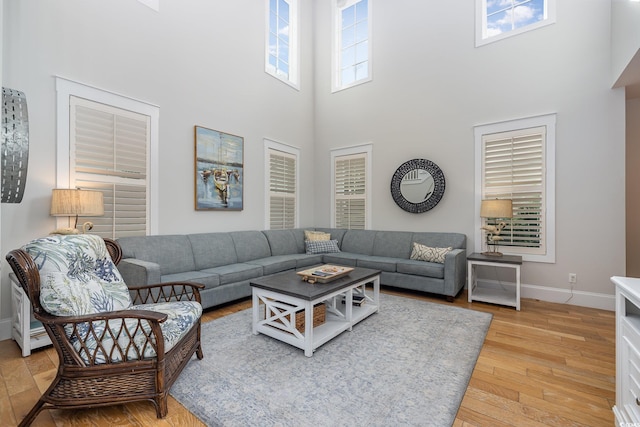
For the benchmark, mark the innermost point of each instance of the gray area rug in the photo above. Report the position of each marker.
(407, 365)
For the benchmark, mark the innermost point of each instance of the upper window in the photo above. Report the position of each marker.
(352, 43)
(351, 185)
(282, 185)
(107, 143)
(515, 160)
(281, 52)
(498, 19)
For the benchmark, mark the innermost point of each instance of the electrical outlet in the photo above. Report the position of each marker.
(573, 277)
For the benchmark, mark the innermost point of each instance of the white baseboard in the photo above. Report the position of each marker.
(5, 329)
(561, 296)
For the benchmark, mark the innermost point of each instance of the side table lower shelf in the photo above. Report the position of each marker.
(493, 295)
(28, 333)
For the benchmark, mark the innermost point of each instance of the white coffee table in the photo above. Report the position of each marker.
(285, 294)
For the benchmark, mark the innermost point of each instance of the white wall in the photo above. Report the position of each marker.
(632, 188)
(625, 42)
(201, 62)
(431, 86)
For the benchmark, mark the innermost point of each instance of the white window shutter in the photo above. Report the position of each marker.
(109, 153)
(350, 191)
(513, 168)
(282, 189)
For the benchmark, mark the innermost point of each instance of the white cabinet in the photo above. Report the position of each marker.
(28, 333)
(627, 409)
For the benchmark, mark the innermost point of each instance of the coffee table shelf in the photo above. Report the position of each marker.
(276, 301)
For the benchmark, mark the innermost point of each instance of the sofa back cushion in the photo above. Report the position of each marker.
(171, 252)
(394, 244)
(250, 245)
(440, 240)
(285, 242)
(212, 250)
(358, 241)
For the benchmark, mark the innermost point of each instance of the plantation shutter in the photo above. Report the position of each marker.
(350, 191)
(513, 168)
(282, 190)
(109, 153)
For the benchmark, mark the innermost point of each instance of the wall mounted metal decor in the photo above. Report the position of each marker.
(417, 185)
(15, 145)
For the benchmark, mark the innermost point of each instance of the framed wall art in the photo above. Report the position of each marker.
(219, 170)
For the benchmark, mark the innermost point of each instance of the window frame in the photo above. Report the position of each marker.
(269, 146)
(336, 56)
(67, 88)
(293, 79)
(366, 150)
(481, 23)
(549, 238)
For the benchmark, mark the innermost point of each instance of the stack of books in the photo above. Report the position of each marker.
(358, 300)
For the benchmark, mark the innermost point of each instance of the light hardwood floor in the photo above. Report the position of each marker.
(547, 365)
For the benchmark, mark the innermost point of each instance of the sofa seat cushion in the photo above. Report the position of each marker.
(377, 263)
(342, 258)
(209, 280)
(420, 268)
(182, 315)
(275, 264)
(236, 272)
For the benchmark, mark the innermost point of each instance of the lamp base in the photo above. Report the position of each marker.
(66, 230)
(496, 254)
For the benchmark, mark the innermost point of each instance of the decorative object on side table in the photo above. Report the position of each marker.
(15, 145)
(219, 169)
(417, 185)
(495, 209)
(75, 202)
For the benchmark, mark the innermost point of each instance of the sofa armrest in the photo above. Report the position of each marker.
(138, 272)
(455, 271)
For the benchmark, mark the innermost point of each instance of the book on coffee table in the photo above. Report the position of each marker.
(324, 273)
(357, 300)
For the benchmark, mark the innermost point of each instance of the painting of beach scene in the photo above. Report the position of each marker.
(218, 170)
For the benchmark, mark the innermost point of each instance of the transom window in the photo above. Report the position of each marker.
(498, 19)
(282, 40)
(352, 43)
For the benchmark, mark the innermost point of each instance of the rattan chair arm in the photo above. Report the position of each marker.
(151, 316)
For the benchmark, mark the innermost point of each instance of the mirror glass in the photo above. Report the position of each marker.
(417, 186)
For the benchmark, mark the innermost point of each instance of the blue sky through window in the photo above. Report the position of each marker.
(279, 21)
(355, 43)
(507, 15)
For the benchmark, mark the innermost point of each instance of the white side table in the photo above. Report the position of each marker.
(493, 295)
(28, 333)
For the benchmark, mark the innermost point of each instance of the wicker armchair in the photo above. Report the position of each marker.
(115, 344)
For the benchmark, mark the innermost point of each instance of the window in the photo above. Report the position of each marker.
(106, 142)
(282, 40)
(516, 160)
(352, 43)
(499, 19)
(282, 185)
(351, 183)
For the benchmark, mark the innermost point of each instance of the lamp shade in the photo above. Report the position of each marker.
(71, 202)
(496, 208)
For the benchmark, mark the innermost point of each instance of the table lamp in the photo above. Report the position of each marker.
(495, 209)
(75, 202)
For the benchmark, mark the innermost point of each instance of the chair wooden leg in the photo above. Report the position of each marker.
(33, 413)
(162, 408)
(199, 352)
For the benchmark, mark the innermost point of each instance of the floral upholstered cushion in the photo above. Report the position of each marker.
(77, 275)
(182, 316)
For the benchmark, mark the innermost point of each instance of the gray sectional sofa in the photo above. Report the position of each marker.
(226, 262)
